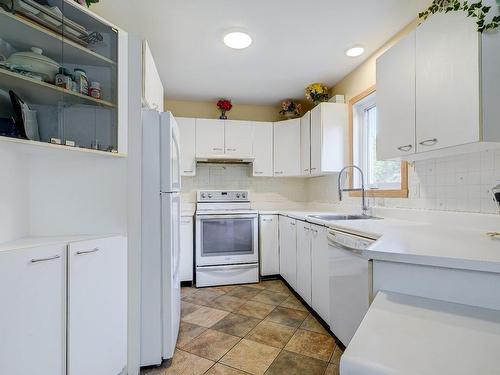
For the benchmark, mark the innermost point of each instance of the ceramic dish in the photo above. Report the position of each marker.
(35, 62)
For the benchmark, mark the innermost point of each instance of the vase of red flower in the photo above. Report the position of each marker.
(224, 106)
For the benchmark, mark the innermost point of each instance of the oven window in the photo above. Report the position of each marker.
(227, 237)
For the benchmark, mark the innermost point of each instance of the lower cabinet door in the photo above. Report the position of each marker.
(186, 256)
(304, 260)
(97, 307)
(33, 311)
(320, 273)
(269, 245)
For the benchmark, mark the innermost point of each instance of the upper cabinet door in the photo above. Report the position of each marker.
(316, 124)
(209, 137)
(33, 312)
(447, 82)
(263, 149)
(97, 306)
(153, 88)
(396, 100)
(305, 144)
(187, 128)
(287, 148)
(238, 137)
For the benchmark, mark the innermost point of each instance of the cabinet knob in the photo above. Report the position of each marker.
(405, 148)
(429, 142)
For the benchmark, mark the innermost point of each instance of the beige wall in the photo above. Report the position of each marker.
(364, 76)
(209, 110)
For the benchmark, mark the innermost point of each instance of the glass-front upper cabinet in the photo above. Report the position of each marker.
(60, 73)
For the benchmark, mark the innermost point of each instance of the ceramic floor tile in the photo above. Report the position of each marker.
(183, 363)
(256, 286)
(289, 317)
(219, 369)
(202, 297)
(311, 344)
(288, 363)
(332, 369)
(337, 353)
(211, 344)
(293, 303)
(255, 309)
(188, 332)
(270, 297)
(205, 317)
(226, 303)
(251, 357)
(276, 286)
(224, 288)
(244, 292)
(187, 308)
(312, 324)
(187, 291)
(236, 325)
(272, 334)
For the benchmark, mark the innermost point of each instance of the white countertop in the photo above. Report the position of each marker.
(417, 242)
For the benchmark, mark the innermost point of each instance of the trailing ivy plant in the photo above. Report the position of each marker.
(476, 10)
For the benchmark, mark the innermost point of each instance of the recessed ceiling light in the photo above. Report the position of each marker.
(355, 51)
(237, 40)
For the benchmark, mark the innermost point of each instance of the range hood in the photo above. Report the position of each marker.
(225, 159)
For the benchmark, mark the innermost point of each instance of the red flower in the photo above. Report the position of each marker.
(224, 104)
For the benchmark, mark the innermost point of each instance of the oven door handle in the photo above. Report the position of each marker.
(217, 217)
(228, 268)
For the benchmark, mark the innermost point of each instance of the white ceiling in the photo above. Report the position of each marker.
(295, 42)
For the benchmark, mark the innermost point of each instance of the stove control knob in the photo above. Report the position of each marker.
(210, 195)
(203, 195)
(243, 195)
(238, 196)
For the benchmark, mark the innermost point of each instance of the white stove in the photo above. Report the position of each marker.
(226, 238)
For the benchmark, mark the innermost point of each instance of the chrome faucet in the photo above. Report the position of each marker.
(364, 208)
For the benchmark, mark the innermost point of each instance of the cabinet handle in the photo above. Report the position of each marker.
(313, 169)
(292, 224)
(230, 149)
(185, 222)
(267, 220)
(45, 259)
(258, 172)
(278, 172)
(306, 228)
(429, 142)
(217, 149)
(87, 251)
(306, 170)
(188, 171)
(405, 148)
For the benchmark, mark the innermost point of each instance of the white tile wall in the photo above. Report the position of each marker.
(459, 183)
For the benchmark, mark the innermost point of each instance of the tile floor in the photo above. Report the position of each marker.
(250, 329)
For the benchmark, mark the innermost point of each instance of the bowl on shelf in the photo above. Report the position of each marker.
(35, 62)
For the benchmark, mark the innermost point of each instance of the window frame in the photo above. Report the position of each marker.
(402, 192)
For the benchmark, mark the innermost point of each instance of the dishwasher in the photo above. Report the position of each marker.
(350, 282)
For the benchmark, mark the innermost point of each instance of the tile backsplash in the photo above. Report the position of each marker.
(459, 183)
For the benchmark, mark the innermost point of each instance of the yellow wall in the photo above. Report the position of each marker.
(210, 110)
(364, 76)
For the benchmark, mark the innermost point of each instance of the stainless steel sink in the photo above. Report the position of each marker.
(333, 217)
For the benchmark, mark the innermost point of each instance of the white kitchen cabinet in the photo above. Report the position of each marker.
(187, 128)
(304, 261)
(305, 144)
(187, 249)
(97, 307)
(320, 273)
(288, 250)
(238, 137)
(152, 87)
(269, 245)
(328, 138)
(396, 100)
(447, 82)
(263, 149)
(209, 137)
(33, 311)
(287, 148)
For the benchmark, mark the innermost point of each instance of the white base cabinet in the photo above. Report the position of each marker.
(320, 273)
(33, 311)
(288, 250)
(187, 249)
(269, 245)
(97, 307)
(304, 261)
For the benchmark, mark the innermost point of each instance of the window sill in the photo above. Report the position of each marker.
(379, 193)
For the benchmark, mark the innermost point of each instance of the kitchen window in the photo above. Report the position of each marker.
(382, 178)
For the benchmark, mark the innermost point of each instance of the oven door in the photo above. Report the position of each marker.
(226, 239)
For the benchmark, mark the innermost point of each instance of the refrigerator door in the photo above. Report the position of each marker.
(170, 154)
(171, 220)
(151, 277)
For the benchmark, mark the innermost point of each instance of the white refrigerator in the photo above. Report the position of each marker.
(160, 284)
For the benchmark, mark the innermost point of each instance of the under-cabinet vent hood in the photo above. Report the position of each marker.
(225, 159)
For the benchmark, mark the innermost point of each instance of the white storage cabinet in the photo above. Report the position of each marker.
(288, 250)
(263, 149)
(305, 144)
(187, 249)
(238, 137)
(287, 148)
(152, 87)
(269, 245)
(209, 137)
(320, 295)
(304, 237)
(187, 129)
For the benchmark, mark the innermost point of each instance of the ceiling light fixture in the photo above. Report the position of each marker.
(237, 40)
(355, 51)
